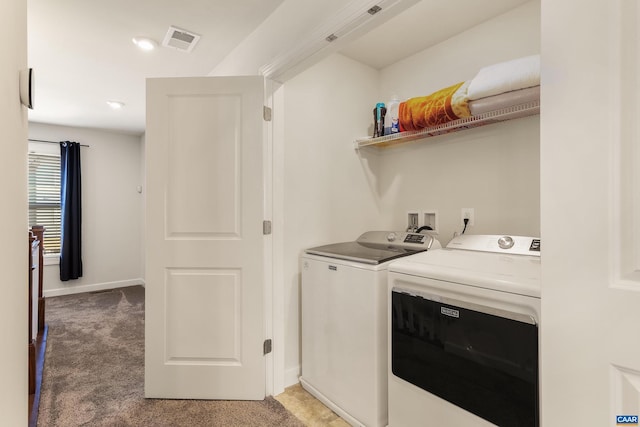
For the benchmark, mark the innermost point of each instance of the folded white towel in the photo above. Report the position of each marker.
(505, 76)
(504, 100)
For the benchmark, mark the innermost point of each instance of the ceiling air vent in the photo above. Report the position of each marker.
(180, 39)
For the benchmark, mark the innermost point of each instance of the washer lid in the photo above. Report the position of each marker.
(376, 247)
(515, 274)
(367, 253)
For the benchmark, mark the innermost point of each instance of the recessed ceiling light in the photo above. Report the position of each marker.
(116, 105)
(144, 43)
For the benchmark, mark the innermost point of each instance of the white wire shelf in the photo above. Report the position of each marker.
(508, 113)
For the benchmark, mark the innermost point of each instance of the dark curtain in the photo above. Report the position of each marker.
(71, 207)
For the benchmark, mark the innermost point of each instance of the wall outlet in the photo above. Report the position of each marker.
(413, 218)
(430, 218)
(467, 213)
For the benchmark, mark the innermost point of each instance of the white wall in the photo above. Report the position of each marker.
(333, 193)
(328, 193)
(111, 208)
(494, 169)
(14, 262)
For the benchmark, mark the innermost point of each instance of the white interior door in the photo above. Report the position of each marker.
(590, 187)
(204, 320)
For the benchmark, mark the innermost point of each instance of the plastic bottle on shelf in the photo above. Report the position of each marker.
(392, 125)
(378, 119)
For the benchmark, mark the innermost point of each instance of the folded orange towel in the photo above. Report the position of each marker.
(440, 107)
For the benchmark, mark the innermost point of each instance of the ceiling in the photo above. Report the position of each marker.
(82, 54)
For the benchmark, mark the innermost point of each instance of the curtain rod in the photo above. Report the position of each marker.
(53, 142)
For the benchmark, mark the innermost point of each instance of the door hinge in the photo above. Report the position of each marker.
(266, 113)
(266, 227)
(266, 347)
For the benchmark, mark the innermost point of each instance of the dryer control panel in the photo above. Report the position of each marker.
(516, 245)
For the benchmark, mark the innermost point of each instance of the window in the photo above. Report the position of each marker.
(44, 198)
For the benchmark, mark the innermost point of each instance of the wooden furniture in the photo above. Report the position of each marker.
(38, 231)
(37, 329)
(34, 245)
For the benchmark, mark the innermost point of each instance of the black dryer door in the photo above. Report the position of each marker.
(480, 361)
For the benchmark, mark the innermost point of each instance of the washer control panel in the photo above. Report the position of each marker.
(518, 245)
(416, 238)
(400, 239)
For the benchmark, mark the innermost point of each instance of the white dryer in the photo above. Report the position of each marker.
(463, 334)
(344, 322)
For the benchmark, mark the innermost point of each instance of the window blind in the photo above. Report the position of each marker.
(44, 198)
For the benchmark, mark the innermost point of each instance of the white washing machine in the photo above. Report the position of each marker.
(463, 334)
(344, 322)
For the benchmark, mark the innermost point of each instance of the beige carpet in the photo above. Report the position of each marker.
(94, 372)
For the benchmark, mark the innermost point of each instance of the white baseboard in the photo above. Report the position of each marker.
(291, 376)
(91, 288)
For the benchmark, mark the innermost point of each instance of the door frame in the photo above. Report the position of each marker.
(274, 295)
